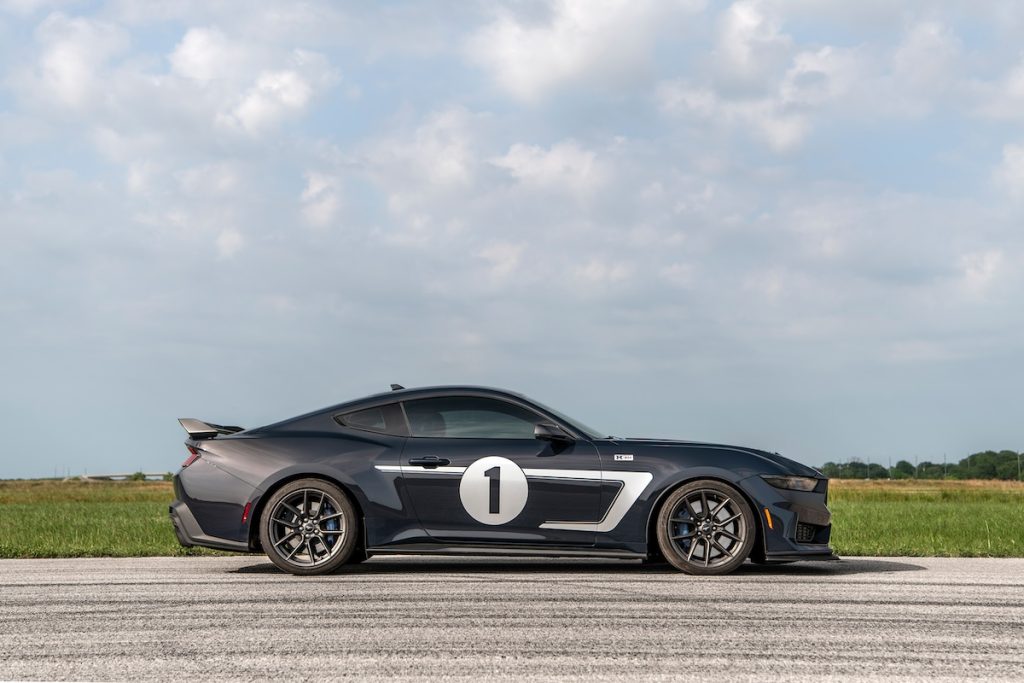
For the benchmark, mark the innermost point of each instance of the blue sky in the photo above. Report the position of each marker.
(795, 225)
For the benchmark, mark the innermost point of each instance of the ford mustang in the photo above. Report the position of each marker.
(473, 471)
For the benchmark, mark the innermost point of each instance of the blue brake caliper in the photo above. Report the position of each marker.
(331, 525)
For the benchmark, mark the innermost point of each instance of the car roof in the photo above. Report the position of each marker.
(428, 392)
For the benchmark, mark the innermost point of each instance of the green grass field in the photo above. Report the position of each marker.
(908, 518)
(87, 519)
(928, 518)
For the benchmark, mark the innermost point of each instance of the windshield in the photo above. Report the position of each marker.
(575, 424)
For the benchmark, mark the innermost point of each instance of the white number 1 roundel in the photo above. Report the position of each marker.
(493, 490)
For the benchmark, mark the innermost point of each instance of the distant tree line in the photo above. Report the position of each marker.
(983, 465)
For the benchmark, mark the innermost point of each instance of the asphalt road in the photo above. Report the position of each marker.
(239, 618)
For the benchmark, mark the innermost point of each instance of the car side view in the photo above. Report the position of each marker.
(480, 471)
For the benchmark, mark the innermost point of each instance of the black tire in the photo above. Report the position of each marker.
(706, 527)
(309, 527)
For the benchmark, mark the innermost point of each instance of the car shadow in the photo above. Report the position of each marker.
(447, 565)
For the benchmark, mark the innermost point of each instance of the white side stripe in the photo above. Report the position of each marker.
(633, 485)
(417, 469)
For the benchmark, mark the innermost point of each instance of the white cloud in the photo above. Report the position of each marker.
(751, 47)
(1010, 173)
(213, 180)
(928, 59)
(565, 166)
(602, 272)
(1002, 98)
(205, 54)
(321, 199)
(440, 153)
(503, 259)
(574, 40)
(980, 269)
(229, 243)
(680, 275)
(74, 51)
(276, 95)
(770, 120)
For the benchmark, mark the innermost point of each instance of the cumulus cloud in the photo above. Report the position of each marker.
(321, 199)
(74, 51)
(205, 54)
(565, 166)
(1010, 172)
(573, 40)
(751, 47)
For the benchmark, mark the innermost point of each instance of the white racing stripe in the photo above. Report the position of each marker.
(420, 470)
(633, 485)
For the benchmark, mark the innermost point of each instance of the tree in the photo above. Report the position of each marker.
(904, 470)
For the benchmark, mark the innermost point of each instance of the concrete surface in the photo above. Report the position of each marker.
(239, 618)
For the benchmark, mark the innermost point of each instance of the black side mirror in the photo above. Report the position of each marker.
(549, 432)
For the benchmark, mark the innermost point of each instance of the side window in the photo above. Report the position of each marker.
(465, 417)
(386, 419)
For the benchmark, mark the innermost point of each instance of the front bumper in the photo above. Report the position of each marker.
(796, 525)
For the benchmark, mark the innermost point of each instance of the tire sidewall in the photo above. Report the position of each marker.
(668, 548)
(351, 530)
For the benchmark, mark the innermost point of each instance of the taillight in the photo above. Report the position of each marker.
(245, 512)
(193, 455)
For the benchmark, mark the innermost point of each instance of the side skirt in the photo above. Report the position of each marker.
(517, 551)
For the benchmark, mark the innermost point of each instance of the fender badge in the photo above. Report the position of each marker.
(623, 457)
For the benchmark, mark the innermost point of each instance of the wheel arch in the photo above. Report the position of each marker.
(260, 505)
(652, 534)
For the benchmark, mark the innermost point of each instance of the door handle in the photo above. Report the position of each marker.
(429, 461)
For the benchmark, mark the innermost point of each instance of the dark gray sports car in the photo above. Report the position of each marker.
(473, 470)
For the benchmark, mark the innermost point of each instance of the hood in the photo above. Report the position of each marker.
(783, 463)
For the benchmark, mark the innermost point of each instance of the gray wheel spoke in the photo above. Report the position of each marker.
(707, 552)
(721, 548)
(680, 536)
(291, 509)
(714, 513)
(703, 504)
(334, 516)
(693, 513)
(290, 525)
(305, 501)
(728, 534)
(334, 531)
(286, 537)
(295, 550)
(731, 519)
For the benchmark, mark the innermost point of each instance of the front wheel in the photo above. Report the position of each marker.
(706, 527)
(309, 527)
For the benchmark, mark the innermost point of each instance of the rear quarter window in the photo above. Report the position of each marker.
(386, 419)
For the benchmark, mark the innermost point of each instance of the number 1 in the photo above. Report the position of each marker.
(494, 474)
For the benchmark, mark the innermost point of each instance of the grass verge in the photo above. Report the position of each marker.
(899, 518)
(928, 518)
(87, 519)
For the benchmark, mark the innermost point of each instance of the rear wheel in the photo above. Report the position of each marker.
(309, 527)
(706, 527)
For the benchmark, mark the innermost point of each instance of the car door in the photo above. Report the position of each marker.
(476, 474)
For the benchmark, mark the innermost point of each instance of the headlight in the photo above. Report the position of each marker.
(792, 483)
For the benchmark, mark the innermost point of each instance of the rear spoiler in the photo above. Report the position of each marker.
(197, 429)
